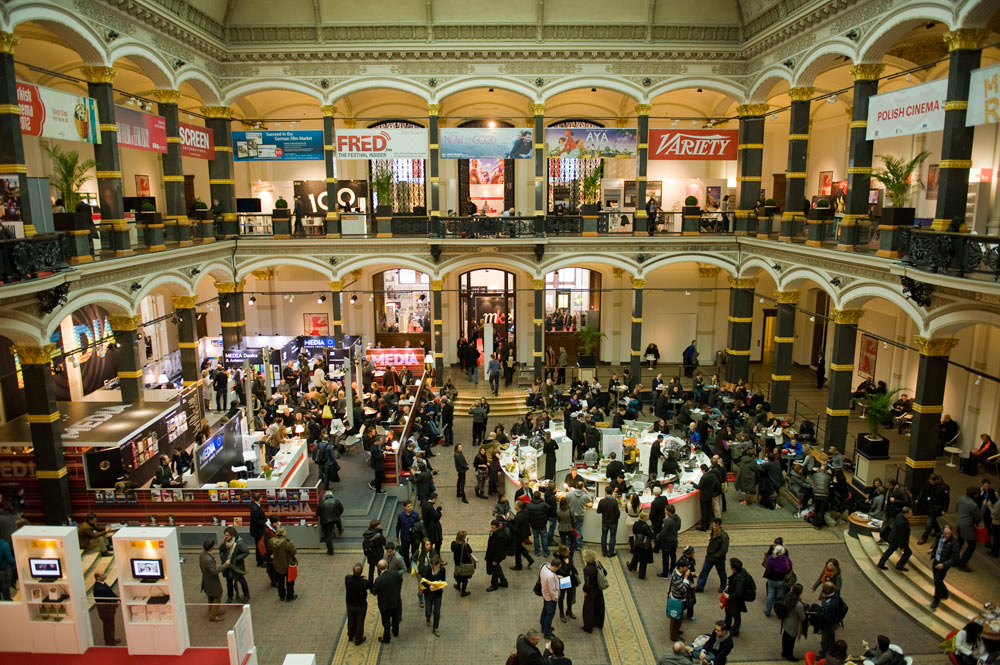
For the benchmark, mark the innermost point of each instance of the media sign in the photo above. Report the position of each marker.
(382, 358)
(409, 143)
(688, 144)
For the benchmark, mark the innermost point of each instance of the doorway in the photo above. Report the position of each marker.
(486, 305)
(819, 326)
(767, 344)
(189, 197)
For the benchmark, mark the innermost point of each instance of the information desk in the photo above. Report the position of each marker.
(291, 467)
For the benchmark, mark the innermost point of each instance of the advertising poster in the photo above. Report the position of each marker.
(197, 142)
(142, 131)
(316, 325)
(933, 180)
(589, 143)
(301, 145)
(142, 185)
(352, 195)
(57, 115)
(685, 144)
(404, 143)
(713, 197)
(984, 96)
(913, 110)
(867, 357)
(486, 143)
(94, 340)
(10, 200)
(825, 183)
(486, 179)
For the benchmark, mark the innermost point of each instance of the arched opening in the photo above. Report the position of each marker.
(572, 300)
(402, 308)
(408, 176)
(487, 299)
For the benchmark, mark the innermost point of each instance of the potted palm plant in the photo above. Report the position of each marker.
(878, 410)
(896, 175)
(590, 340)
(382, 185)
(591, 186)
(69, 174)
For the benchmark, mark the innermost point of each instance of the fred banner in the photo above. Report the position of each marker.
(377, 143)
(55, 114)
(686, 144)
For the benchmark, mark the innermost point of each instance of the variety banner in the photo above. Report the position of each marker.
(408, 143)
(589, 143)
(198, 142)
(486, 143)
(685, 144)
(142, 131)
(286, 146)
(913, 110)
(984, 96)
(57, 115)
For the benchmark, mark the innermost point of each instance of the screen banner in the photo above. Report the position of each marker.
(486, 143)
(683, 144)
(198, 142)
(913, 110)
(408, 143)
(589, 143)
(984, 96)
(278, 146)
(57, 115)
(142, 131)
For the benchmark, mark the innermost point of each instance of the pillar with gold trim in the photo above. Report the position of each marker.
(222, 186)
(859, 164)
(434, 167)
(231, 313)
(332, 221)
(336, 287)
(173, 169)
(113, 229)
(965, 49)
(740, 323)
(749, 163)
(187, 337)
(635, 348)
(539, 286)
(46, 436)
(784, 341)
(798, 154)
(641, 222)
(841, 371)
(541, 202)
(437, 345)
(11, 144)
(932, 370)
(130, 381)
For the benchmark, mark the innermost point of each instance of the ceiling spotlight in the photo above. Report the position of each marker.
(852, 34)
(835, 281)
(812, 319)
(930, 24)
(909, 79)
(885, 345)
(291, 298)
(774, 116)
(674, 123)
(831, 99)
(354, 299)
(253, 300)
(320, 300)
(112, 35)
(788, 63)
(694, 123)
(776, 267)
(179, 63)
(687, 293)
(978, 379)
(762, 301)
(491, 124)
(135, 286)
(211, 307)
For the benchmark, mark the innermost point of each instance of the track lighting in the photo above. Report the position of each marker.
(194, 271)
(320, 300)
(788, 63)
(762, 301)
(291, 298)
(909, 79)
(211, 307)
(252, 301)
(371, 297)
(674, 123)
(354, 299)
(812, 319)
(687, 293)
(835, 281)
(832, 99)
(885, 345)
(978, 379)
(776, 267)
(136, 286)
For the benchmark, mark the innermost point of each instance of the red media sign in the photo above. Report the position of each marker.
(197, 142)
(692, 143)
(382, 358)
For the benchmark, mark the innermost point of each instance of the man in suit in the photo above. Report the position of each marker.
(107, 606)
(899, 539)
(667, 539)
(527, 649)
(944, 555)
(387, 588)
(496, 552)
(708, 487)
(357, 588)
(258, 524)
(657, 509)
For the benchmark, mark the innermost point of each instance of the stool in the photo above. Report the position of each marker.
(952, 450)
(240, 469)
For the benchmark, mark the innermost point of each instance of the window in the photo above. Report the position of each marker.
(403, 302)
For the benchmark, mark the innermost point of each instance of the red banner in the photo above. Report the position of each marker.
(142, 131)
(197, 142)
(693, 143)
(382, 358)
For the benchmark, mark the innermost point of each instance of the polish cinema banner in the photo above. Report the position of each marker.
(379, 143)
(589, 143)
(55, 114)
(686, 144)
(142, 131)
(288, 146)
(984, 96)
(913, 110)
(197, 142)
(486, 143)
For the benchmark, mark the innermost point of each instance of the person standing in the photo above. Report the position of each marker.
(944, 555)
(642, 545)
(521, 527)
(651, 214)
(777, 565)
(899, 539)
(715, 556)
(404, 529)
(561, 364)
(461, 467)
(106, 601)
(738, 589)
(690, 358)
(969, 514)
(433, 594)
(297, 212)
(938, 496)
(549, 448)
(793, 621)
(667, 539)
(378, 466)
(448, 421)
(493, 374)
(329, 511)
(821, 495)
(211, 585)
(258, 524)
(430, 515)
(831, 615)
(677, 596)
(567, 596)
(820, 370)
(708, 487)
(220, 383)
(465, 562)
(610, 513)
(373, 546)
(567, 525)
(286, 566)
(548, 578)
(593, 593)
(496, 552)
(233, 552)
(356, 589)
(388, 589)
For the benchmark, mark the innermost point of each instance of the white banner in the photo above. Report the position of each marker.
(984, 96)
(379, 143)
(913, 110)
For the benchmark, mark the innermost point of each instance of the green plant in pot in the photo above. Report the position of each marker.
(590, 340)
(691, 201)
(878, 407)
(68, 174)
(382, 184)
(822, 203)
(591, 186)
(147, 207)
(281, 204)
(200, 205)
(896, 175)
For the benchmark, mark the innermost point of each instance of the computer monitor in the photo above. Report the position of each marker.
(248, 205)
(45, 569)
(147, 570)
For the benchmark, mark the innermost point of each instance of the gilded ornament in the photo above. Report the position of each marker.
(751, 110)
(328, 110)
(801, 94)
(230, 287)
(938, 346)
(867, 71)
(742, 282)
(33, 355)
(166, 96)
(846, 316)
(217, 112)
(183, 302)
(8, 41)
(125, 323)
(99, 74)
(965, 39)
(787, 297)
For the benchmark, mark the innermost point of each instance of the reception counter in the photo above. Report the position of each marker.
(290, 467)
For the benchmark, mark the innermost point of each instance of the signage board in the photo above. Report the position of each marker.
(589, 143)
(299, 145)
(687, 144)
(984, 96)
(382, 358)
(198, 142)
(142, 131)
(405, 143)
(57, 115)
(913, 110)
(486, 143)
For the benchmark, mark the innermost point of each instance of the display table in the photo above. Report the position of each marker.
(290, 467)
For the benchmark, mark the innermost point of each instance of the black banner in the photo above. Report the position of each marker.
(95, 352)
(351, 195)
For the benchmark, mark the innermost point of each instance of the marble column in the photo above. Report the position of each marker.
(231, 313)
(541, 202)
(437, 317)
(784, 341)
(841, 366)
(749, 163)
(173, 167)
(11, 144)
(707, 302)
(434, 167)
(741, 291)
(222, 186)
(130, 381)
(798, 154)
(332, 221)
(859, 164)
(336, 287)
(187, 338)
(932, 372)
(635, 348)
(539, 286)
(641, 222)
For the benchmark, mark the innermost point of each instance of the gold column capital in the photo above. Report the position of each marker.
(643, 109)
(846, 316)
(350, 123)
(867, 71)
(801, 94)
(99, 74)
(621, 122)
(706, 270)
(742, 282)
(538, 284)
(637, 282)
(433, 109)
(328, 110)
(939, 346)
(166, 96)
(538, 109)
(8, 41)
(263, 275)
(183, 302)
(28, 354)
(437, 285)
(230, 287)
(787, 297)
(751, 110)
(965, 39)
(336, 285)
(217, 112)
(125, 323)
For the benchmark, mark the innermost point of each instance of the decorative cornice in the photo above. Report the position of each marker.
(787, 297)
(637, 283)
(751, 110)
(350, 123)
(742, 282)
(263, 275)
(643, 109)
(166, 96)
(940, 346)
(8, 41)
(538, 109)
(846, 316)
(125, 323)
(965, 39)
(230, 287)
(705, 270)
(801, 94)
(867, 71)
(433, 109)
(99, 74)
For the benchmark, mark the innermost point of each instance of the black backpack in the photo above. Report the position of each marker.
(369, 547)
(749, 589)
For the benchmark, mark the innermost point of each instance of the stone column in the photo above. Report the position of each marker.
(437, 286)
(220, 170)
(129, 359)
(332, 221)
(707, 302)
(635, 349)
(641, 223)
(187, 338)
(46, 435)
(539, 287)
(173, 168)
(11, 145)
(434, 167)
(965, 48)
(932, 371)
(859, 164)
(749, 163)
(336, 287)
(541, 203)
(841, 366)
(784, 341)
(740, 323)
(109, 171)
(798, 154)
(231, 313)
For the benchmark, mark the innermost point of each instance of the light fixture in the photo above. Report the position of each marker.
(687, 293)
(909, 79)
(776, 267)
(885, 345)
(491, 89)
(978, 379)
(699, 89)
(774, 116)
(593, 89)
(788, 63)
(211, 307)
(835, 281)
(694, 123)
(320, 300)
(371, 297)
(674, 123)
(812, 319)
(194, 271)
(135, 286)
(252, 301)
(491, 124)
(291, 298)
(852, 34)
(354, 299)
(831, 99)
(227, 304)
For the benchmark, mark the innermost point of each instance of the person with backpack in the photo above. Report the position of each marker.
(832, 610)
(792, 612)
(777, 565)
(740, 590)
(373, 546)
(642, 545)
(681, 583)
(595, 581)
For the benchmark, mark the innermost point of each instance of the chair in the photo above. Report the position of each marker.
(240, 469)
(995, 461)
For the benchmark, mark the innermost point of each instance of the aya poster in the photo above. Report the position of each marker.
(57, 115)
(198, 142)
(142, 131)
(301, 145)
(399, 143)
(913, 110)
(486, 178)
(589, 143)
(686, 144)
(486, 143)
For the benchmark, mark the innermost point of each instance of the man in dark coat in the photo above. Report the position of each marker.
(657, 510)
(258, 524)
(329, 512)
(655, 454)
(549, 449)
(496, 552)
(899, 539)
(615, 468)
(938, 496)
(538, 517)
(378, 466)
(610, 513)
(461, 467)
(448, 421)
(387, 588)
(527, 649)
(715, 556)
(736, 593)
(356, 588)
(667, 539)
(708, 487)
(944, 555)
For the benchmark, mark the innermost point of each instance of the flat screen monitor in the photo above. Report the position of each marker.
(134, 203)
(45, 569)
(147, 570)
(248, 205)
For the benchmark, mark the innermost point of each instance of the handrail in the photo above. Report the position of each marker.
(951, 253)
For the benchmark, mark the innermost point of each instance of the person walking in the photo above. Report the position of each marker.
(610, 513)
(388, 588)
(404, 528)
(496, 552)
(548, 581)
(461, 467)
(373, 546)
(233, 552)
(739, 589)
(329, 511)
(690, 359)
(482, 464)
(820, 480)
(286, 566)
(937, 494)
(430, 515)
(715, 556)
(220, 383)
(642, 545)
(211, 585)
(567, 595)
(969, 515)
(258, 525)
(777, 565)
(944, 555)
(831, 615)
(667, 540)
(521, 528)
(708, 487)
(593, 592)
(793, 621)
(356, 589)
(106, 601)
(899, 539)
(538, 516)
(465, 562)
(567, 525)
(681, 583)
(378, 466)
(432, 581)
(493, 370)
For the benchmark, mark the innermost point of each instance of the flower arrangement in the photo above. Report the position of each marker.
(267, 470)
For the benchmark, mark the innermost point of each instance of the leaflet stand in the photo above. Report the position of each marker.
(152, 609)
(57, 615)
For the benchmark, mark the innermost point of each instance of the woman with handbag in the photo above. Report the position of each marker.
(465, 562)
(420, 563)
(681, 584)
(642, 544)
(567, 596)
(233, 552)
(593, 592)
(286, 566)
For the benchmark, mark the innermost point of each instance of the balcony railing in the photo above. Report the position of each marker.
(30, 258)
(959, 254)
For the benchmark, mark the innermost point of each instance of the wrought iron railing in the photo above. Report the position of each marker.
(959, 254)
(27, 258)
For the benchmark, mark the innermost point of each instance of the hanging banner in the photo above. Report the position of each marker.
(408, 143)
(486, 143)
(142, 131)
(589, 143)
(279, 146)
(683, 144)
(984, 96)
(913, 110)
(486, 179)
(198, 142)
(57, 115)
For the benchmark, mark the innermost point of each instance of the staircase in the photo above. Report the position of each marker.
(508, 404)
(912, 592)
(382, 507)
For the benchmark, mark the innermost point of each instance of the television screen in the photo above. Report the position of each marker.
(45, 569)
(147, 569)
(248, 205)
